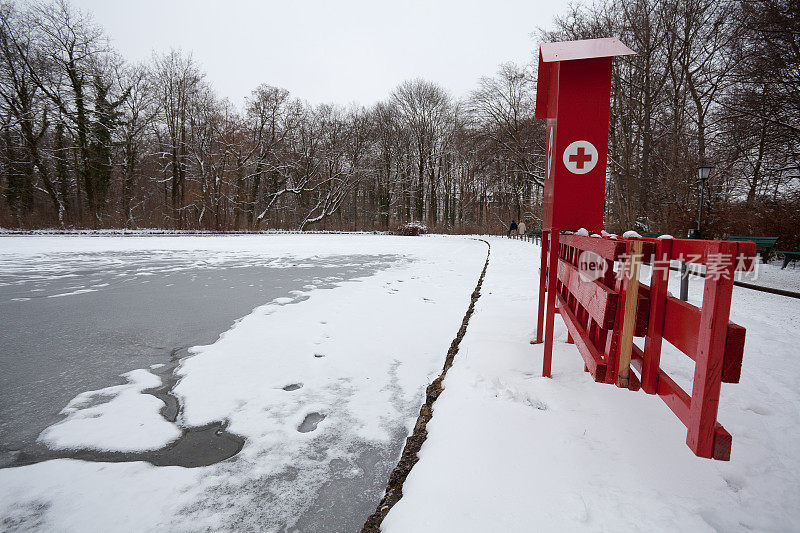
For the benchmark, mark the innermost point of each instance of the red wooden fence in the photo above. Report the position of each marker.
(594, 311)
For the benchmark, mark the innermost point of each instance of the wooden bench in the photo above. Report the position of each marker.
(789, 256)
(764, 245)
(536, 235)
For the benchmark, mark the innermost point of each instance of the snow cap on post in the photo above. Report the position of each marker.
(552, 53)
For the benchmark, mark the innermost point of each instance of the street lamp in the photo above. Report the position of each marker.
(702, 175)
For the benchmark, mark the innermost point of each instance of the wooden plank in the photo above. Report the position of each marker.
(734, 353)
(648, 248)
(598, 300)
(696, 251)
(675, 397)
(607, 248)
(710, 352)
(746, 254)
(611, 347)
(722, 443)
(590, 354)
(681, 329)
(657, 312)
(690, 250)
(642, 314)
(631, 296)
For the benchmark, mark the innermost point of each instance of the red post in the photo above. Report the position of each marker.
(542, 288)
(717, 294)
(552, 273)
(659, 281)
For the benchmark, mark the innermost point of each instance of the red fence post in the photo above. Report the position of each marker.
(552, 277)
(717, 292)
(659, 283)
(542, 287)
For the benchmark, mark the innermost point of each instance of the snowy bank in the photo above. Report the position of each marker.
(508, 450)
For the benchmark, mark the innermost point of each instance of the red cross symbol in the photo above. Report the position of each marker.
(580, 158)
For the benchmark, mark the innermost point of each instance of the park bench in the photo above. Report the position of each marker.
(789, 256)
(536, 235)
(764, 245)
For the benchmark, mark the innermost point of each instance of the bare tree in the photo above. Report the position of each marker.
(178, 81)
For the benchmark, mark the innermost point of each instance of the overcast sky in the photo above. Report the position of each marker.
(337, 51)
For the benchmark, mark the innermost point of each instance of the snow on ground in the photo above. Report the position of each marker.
(771, 275)
(314, 384)
(508, 450)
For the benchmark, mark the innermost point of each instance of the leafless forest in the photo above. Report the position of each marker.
(89, 140)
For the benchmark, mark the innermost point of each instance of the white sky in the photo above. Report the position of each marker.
(337, 51)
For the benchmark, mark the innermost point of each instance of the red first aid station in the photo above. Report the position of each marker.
(573, 93)
(605, 311)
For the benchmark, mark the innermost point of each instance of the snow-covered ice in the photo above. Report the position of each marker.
(323, 387)
(117, 418)
(51, 349)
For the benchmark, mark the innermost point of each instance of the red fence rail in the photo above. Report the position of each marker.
(604, 308)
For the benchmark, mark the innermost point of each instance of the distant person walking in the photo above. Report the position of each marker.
(513, 230)
(522, 228)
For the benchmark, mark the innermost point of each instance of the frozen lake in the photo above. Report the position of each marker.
(76, 321)
(312, 350)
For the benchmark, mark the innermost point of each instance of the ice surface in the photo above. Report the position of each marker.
(384, 335)
(52, 349)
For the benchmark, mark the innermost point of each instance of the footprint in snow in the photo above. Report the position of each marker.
(310, 422)
(759, 410)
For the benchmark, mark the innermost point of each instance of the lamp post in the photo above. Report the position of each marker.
(702, 175)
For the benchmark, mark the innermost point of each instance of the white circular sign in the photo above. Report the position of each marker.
(580, 157)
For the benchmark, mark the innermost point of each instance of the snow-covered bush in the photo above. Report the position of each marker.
(412, 229)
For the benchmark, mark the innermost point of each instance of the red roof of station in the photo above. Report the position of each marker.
(552, 53)
(587, 49)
